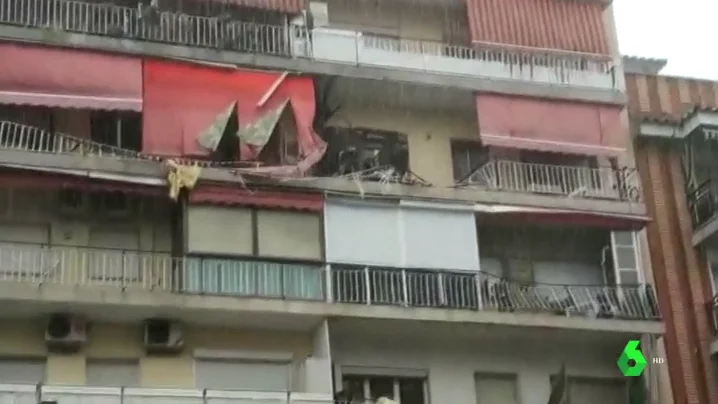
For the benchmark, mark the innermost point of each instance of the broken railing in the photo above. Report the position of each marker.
(569, 181)
(480, 291)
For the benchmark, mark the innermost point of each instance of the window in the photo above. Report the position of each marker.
(467, 157)
(233, 374)
(122, 130)
(112, 373)
(496, 389)
(597, 391)
(18, 370)
(403, 390)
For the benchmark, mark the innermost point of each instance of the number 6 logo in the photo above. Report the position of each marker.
(631, 362)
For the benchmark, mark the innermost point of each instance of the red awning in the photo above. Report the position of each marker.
(264, 199)
(68, 78)
(182, 100)
(34, 180)
(568, 25)
(555, 126)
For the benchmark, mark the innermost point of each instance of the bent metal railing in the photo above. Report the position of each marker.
(569, 181)
(481, 291)
(329, 45)
(41, 264)
(41, 393)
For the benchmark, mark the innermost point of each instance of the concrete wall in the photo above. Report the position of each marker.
(25, 339)
(429, 134)
(19, 207)
(451, 369)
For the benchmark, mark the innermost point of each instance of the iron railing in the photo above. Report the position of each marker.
(37, 394)
(713, 313)
(107, 19)
(41, 264)
(74, 266)
(329, 45)
(480, 291)
(569, 181)
(703, 203)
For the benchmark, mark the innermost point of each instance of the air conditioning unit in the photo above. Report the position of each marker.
(72, 202)
(65, 332)
(163, 336)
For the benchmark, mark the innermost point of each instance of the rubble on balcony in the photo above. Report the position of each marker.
(569, 181)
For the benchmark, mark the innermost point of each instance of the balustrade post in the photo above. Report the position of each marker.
(328, 285)
(479, 295)
(404, 288)
(367, 284)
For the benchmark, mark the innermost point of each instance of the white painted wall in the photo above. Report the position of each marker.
(451, 370)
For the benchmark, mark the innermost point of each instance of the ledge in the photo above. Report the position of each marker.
(153, 170)
(147, 303)
(485, 84)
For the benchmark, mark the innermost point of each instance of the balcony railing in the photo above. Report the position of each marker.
(578, 182)
(472, 291)
(713, 313)
(703, 203)
(112, 20)
(325, 44)
(156, 271)
(36, 394)
(128, 270)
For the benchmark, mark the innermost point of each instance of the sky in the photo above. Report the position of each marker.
(682, 31)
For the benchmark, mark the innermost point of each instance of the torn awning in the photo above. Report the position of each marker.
(216, 194)
(552, 126)
(182, 100)
(68, 78)
(528, 214)
(31, 178)
(568, 25)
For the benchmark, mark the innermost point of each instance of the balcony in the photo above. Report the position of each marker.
(357, 48)
(703, 203)
(35, 394)
(458, 66)
(472, 291)
(567, 181)
(157, 273)
(91, 267)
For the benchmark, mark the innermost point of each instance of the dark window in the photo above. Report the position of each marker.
(410, 389)
(467, 157)
(117, 129)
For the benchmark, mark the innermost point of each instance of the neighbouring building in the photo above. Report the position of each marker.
(675, 123)
(288, 201)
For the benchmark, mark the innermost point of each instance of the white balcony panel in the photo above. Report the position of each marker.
(22, 371)
(440, 239)
(82, 395)
(245, 397)
(334, 45)
(161, 396)
(243, 375)
(18, 394)
(362, 233)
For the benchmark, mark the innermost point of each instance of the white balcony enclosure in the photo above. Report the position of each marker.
(32, 394)
(357, 48)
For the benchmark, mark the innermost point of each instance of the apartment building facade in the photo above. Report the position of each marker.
(296, 202)
(673, 123)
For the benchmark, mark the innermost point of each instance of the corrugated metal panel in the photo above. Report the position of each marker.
(568, 25)
(667, 99)
(363, 233)
(263, 199)
(569, 127)
(440, 239)
(67, 78)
